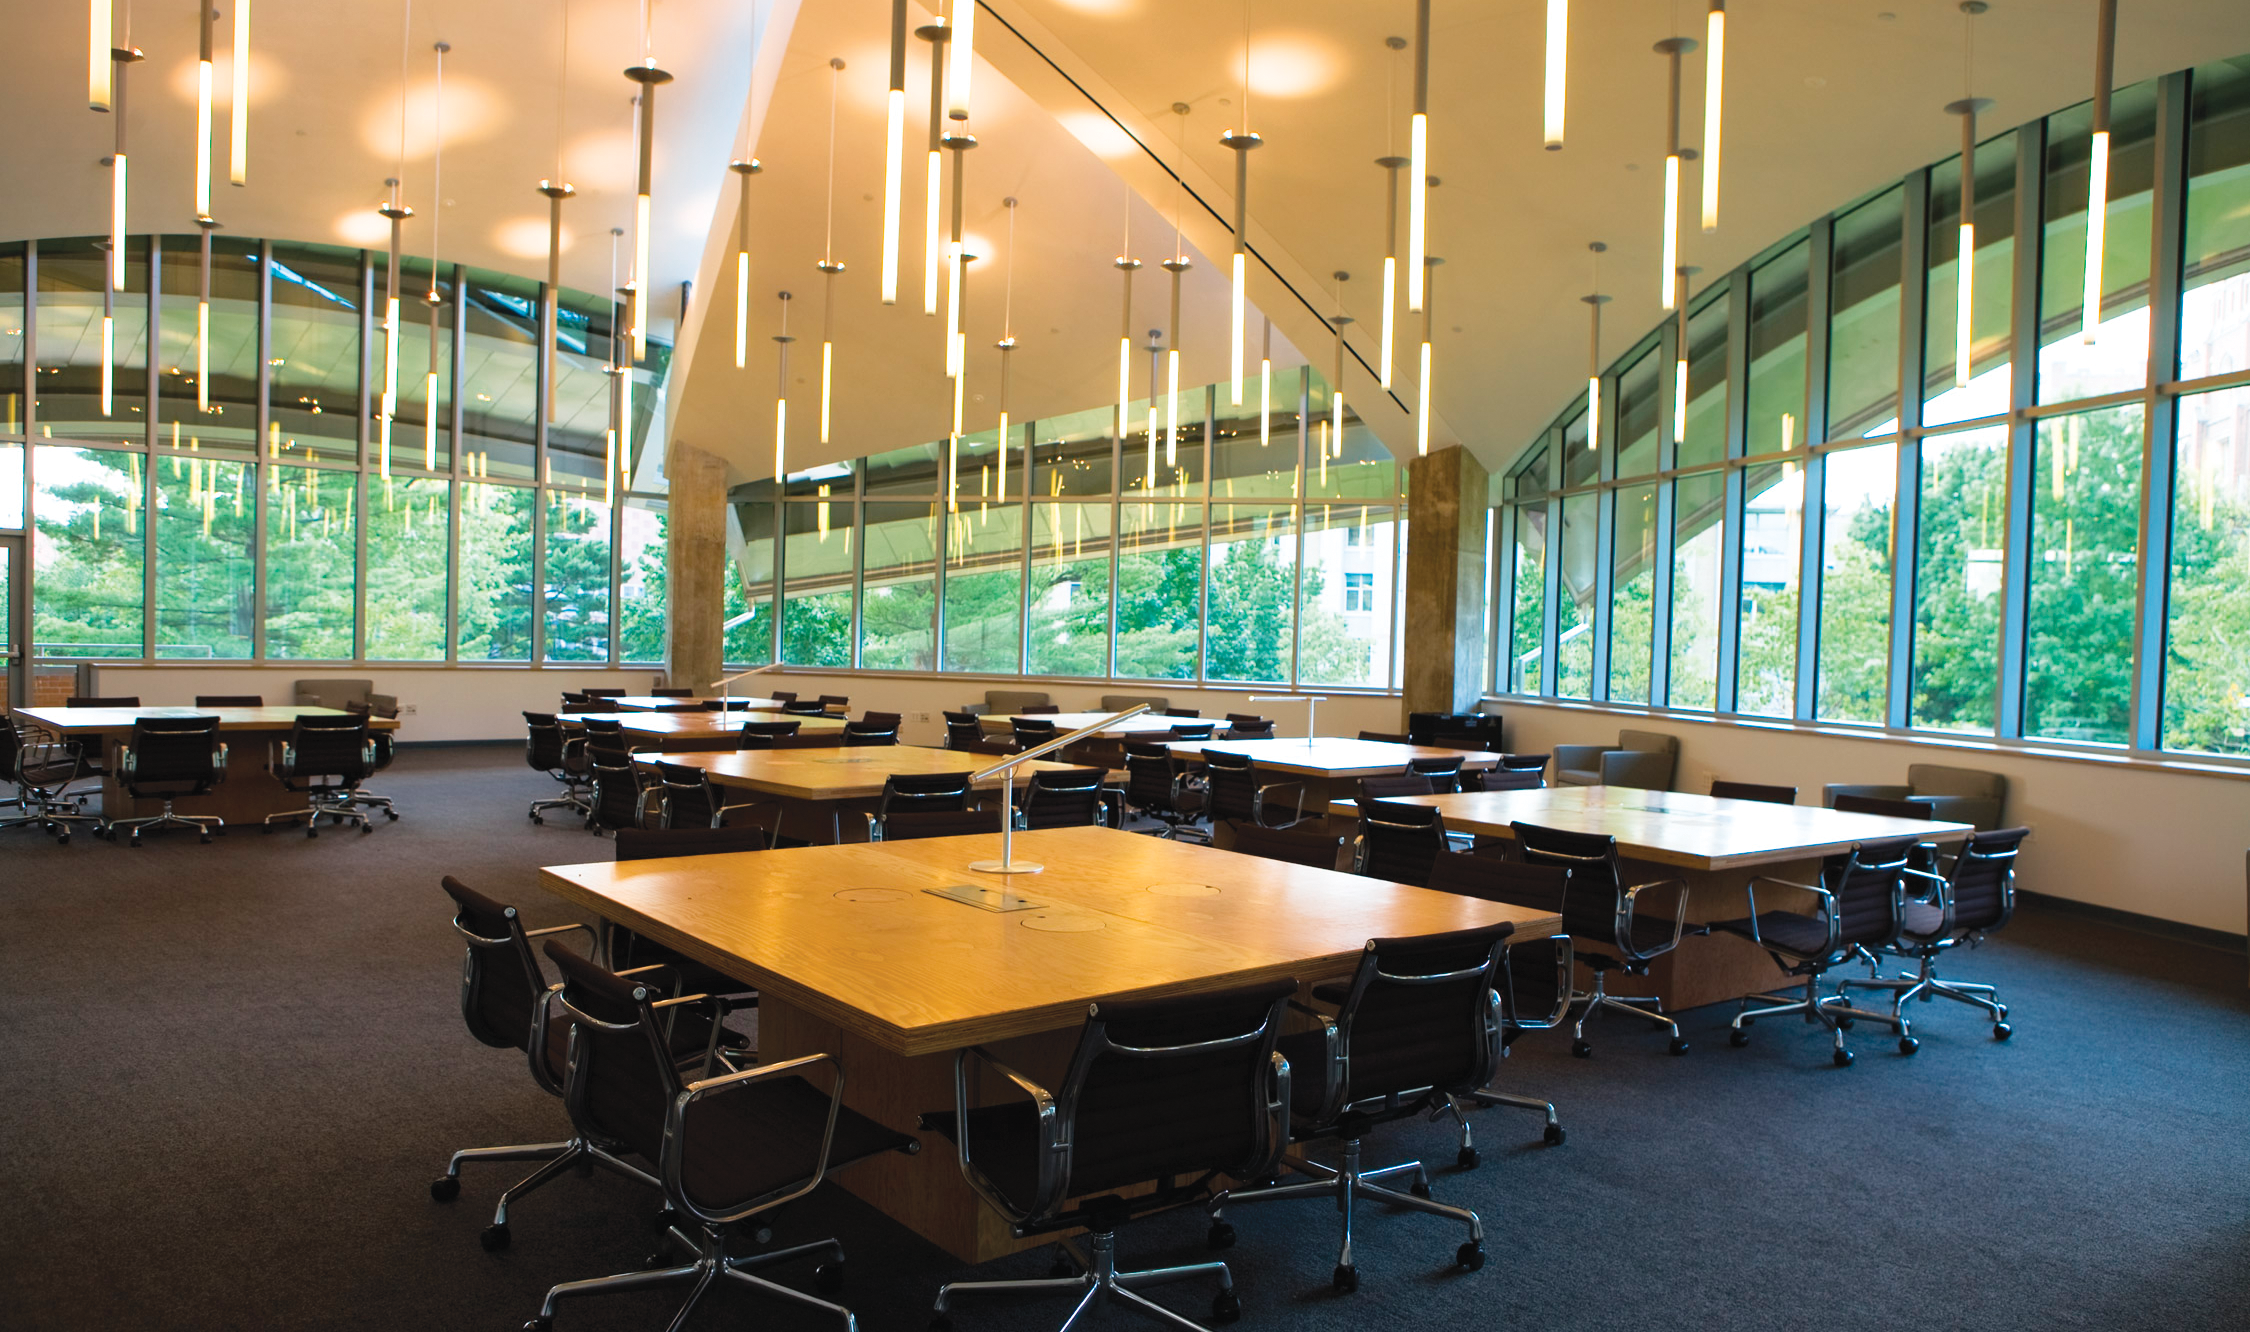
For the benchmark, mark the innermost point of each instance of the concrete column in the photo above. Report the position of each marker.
(1445, 596)
(695, 566)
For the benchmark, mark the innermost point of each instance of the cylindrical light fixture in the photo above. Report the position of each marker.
(1390, 166)
(932, 246)
(964, 57)
(1680, 356)
(121, 58)
(1672, 48)
(396, 213)
(1418, 154)
(743, 170)
(1177, 265)
(238, 112)
(1241, 141)
(555, 191)
(613, 465)
(894, 151)
(956, 346)
(99, 43)
(1265, 389)
(1714, 89)
(1965, 265)
(2097, 164)
(1336, 375)
(1125, 266)
(650, 78)
(1594, 303)
(781, 399)
(204, 16)
(435, 301)
(1007, 343)
(203, 320)
(1422, 408)
(1558, 67)
(828, 266)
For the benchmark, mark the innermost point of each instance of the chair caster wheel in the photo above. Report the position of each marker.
(445, 1188)
(1842, 1058)
(62, 839)
(1582, 1049)
(1225, 1308)
(536, 819)
(135, 840)
(1465, 1159)
(1420, 1188)
(539, 1325)
(655, 1258)
(391, 814)
(941, 1323)
(494, 1237)
(828, 1278)
(1221, 1236)
(1469, 1257)
(1555, 1135)
(1908, 1045)
(2002, 1031)
(664, 1220)
(207, 839)
(1679, 1045)
(1061, 1269)
(311, 831)
(1738, 1037)
(1345, 1280)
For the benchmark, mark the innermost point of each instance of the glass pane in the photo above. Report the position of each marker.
(2217, 252)
(749, 602)
(2206, 661)
(1529, 481)
(1574, 613)
(229, 354)
(1855, 587)
(1638, 390)
(898, 617)
(816, 618)
(1253, 592)
(11, 338)
(1255, 455)
(641, 581)
(984, 588)
(407, 554)
(1070, 589)
(86, 553)
(2116, 357)
(2085, 548)
(1350, 464)
(1530, 573)
(1348, 598)
(496, 588)
(11, 485)
(311, 555)
(1167, 444)
(315, 353)
(1948, 394)
(983, 475)
(1958, 562)
(1699, 532)
(579, 447)
(1705, 436)
(1863, 320)
(1773, 525)
(500, 375)
(919, 470)
(1581, 463)
(577, 567)
(1159, 582)
(1777, 351)
(1070, 454)
(1632, 597)
(73, 274)
(206, 524)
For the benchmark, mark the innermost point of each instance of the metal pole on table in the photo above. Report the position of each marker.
(1006, 771)
(725, 685)
(1312, 704)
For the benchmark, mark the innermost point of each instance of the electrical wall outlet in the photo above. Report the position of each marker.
(406, 709)
(918, 716)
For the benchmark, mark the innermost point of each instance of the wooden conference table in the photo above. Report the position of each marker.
(1331, 766)
(246, 794)
(854, 953)
(1131, 727)
(654, 729)
(656, 702)
(817, 786)
(1715, 846)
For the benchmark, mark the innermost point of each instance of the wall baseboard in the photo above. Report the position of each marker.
(2138, 923)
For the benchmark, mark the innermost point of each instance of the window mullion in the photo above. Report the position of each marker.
(2159, 419)
(1913, 298)
(2023, 360)
(1820, 259)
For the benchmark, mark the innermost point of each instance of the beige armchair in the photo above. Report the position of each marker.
(1953, 795)
(340, 694)
(1643, 759)
(1008, 702)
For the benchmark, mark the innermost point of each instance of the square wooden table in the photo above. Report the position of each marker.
(1131, 728)
(654, 729)
(852, 953)
(1716, 846)
(818, 786)
(657, 702)
(1330, 766)
(246, 794)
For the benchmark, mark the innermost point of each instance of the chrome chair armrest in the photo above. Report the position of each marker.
(1631, 907)
(1298, 787)
(128, 763)
(1336, 1070)
(1277, 1118)
(559, 929)
(1750, 889)
(674, 1152)
(219, 761)
(1054, 1149)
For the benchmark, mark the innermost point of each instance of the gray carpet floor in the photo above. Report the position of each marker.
(227, 1074)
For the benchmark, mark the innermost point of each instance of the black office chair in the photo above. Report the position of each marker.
(1384, 736)
(1527, 763)
(808, 709)
(671, 693)
(782, 696)
(1397, 841)
(908, 825)
(726, 705)
(1249, 719)
(890, 719)
(1888, 808)
(1772, 795)
(729, 1147)
(1157, 787)
(1967, 903)
(870, 733)
(1444, 773)
(1311, 844)
(965, 733)
(680, 709)
(331, 747)
(1391, 786)
(604, 693)
(1417, 1025)
(1234, 790)
(232, 701)
(628, 951)
(170, 757)
(1603, 918)
(43, 767)
(621, 792)
(562, 756)
(772, 730)
(1183, 712)
(1193, 731)
(1032, 731)
(1502, 778)
(1240, 732)
(1537, 996)
(836, 702)
(686, 797)
(1065, 798)
(919, 793)
(1862, 909)
(1171, 1092)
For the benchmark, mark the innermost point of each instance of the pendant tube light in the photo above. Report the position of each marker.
(1418, 153)
(650, 78)
(1680, 356)
(1177, 265)
(1964, 264)
(109, 346)
(612, 467)
(1714, 90)
(396, 214)
(433, 299)
(1336, 373)
(1594, 304)
(1390, 167)
(894, 151)
(203, 320)
(555, 191)
(828, 266)
(1265, 389)
(956, 346)
(781, 398)
(1125, 266)
(1241, 140)
(238, 113)
(1155, 422)
(744, 169)
(1672, 48)
(964, 29)
(99, 43)
(933, 247)
(1007, 342)
(1558, 68)
(121, 59)
(204, 15)
(2097, 164)
(1422, 407)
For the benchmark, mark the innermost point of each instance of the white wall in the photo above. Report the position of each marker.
(2164, 842)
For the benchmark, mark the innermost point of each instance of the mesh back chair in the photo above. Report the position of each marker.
(1171, 1092)
(325, 758)
(1537, 996)
(1235, 791)
(231, 700)
(1504, 778)
(1247, 719)
(835, 702)
(170, 757)
(385, 740)
(42, 767)
(1527, 763)
(1398, 841)
(1772, 795)
(726, 705)
(1394, 785)
(1194, 731)
(604, 693)
(1071, 798)
(870, 733)
(1156, 787)
(562, 756)
(1383, 736)
(778, 730)
(688, 798)
(1883, 805)
(1039, 709)
(965, 733)
(910, 825)
(783, 696)
(1444, 773)
(681, 707)
(1311, 846)
(508, 1004)
(890, 719)
(1260, 730)
(728, 1146)
(621, 796)
(1032, 731)
(1974, 898)
(919, 793)
(794, 709)
(628, 951)
(1603, 917)
(671, 693)
(1183, 712)
(1861, 909)
(590, 705)
(1417, 1025)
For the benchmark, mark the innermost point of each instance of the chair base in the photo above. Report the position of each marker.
(53, 811)
(206, 824)
(1590, 1002)
(554, 1156)
(1927, 986)
(1102, 1279)
(1554, 1133)
(711, 1261)
(336, 805)
(372, 802)
(1833, 1013)
(1342, 1185)
(578, 802)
